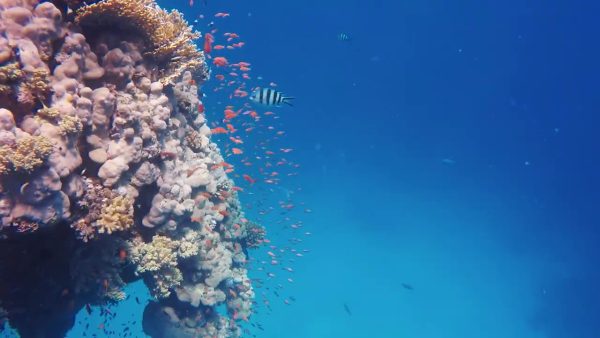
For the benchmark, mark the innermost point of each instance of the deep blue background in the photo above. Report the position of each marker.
(500, 241)
(451, 146)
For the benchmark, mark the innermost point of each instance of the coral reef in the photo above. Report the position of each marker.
(108, 173)
(166, 34)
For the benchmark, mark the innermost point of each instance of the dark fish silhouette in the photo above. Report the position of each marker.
(407, 286)
(347, 309)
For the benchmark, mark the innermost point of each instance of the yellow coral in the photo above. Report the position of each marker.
(117, 215)
(156, 254)
(30, 153)
(10, 74)
(35, 84)
(165, 281)
(31, 84)
(70, 125)
(159, 258)
(5, 159)
(48, 113)
(168, 34)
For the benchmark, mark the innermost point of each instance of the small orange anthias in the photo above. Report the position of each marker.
(208, 41)
(122, 255)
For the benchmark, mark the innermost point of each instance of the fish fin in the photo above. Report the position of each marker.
(285, 100)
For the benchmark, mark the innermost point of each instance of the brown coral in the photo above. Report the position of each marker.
(168, 35)
(256, 234)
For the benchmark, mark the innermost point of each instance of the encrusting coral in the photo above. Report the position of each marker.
(106, 163)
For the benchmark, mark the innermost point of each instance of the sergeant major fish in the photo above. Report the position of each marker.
(270, 97)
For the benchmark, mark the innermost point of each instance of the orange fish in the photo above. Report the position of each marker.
(122, 255)
(236, 140)
(221, 15)
(237, 151)
(218, 47)
(229, 114)
(208, 40)
(219, 130)
(220, 77)
(220, 61)
(249, 179)
(240, 93)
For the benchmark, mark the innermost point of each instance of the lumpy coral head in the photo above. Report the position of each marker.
(108, 173)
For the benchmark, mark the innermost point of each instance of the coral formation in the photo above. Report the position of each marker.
(167, 34)
(108, 169)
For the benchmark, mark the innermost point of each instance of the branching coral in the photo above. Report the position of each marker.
(116, 215)
(159, 258)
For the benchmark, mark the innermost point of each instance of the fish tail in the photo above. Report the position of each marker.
(286, 100)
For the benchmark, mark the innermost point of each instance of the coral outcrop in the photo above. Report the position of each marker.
(108, 173)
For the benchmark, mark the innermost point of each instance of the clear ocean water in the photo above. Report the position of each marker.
(448, 152)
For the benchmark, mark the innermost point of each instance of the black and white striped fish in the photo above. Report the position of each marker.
(270, 97)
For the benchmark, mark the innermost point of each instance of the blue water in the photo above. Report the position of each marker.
(449, 146)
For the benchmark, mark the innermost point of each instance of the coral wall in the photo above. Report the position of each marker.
(108, 173)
